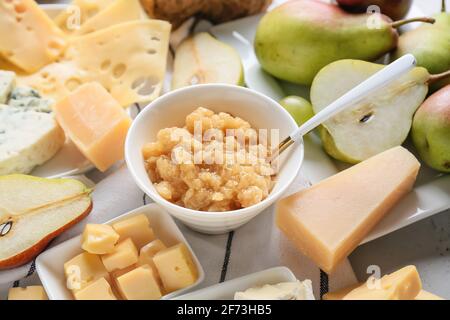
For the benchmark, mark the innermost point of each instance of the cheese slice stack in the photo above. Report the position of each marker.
(27, 139)
(118, 12)
(29, 38)
(128, 59)
(327, 221)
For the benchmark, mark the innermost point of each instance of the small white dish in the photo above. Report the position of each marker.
(227, 289)
(49, 264)
(171, 110)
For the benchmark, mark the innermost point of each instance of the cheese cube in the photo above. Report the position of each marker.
(176, 267)
(84, 269)
(99, 238)
(328, 220)
(136, 228)
(124, 255)
(341, 293)
(29, 38)
(403, 284)
(139, 284)
(28, 293)
(146, 256)
(95, 122)
(97, 290)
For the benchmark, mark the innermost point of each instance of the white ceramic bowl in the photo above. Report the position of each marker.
(50, 264)
(171, 110)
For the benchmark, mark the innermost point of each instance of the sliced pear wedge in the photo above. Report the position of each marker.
(33, 211)
(204, 59)
(379, 122)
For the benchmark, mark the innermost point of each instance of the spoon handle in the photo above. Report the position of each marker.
(379, 79)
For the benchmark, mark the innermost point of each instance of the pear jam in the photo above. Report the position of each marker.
(216, 162)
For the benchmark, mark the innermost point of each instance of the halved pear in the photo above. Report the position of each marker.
(204, 59)
(379, 122)
(33, 211)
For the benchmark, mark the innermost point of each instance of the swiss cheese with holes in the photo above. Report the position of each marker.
(119, 12)
(29, 39)
(128, 59)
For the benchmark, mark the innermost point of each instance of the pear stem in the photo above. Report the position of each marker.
(399, 23)
(436, 77)
(443, 8)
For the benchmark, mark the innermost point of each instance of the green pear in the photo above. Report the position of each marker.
(431, 130)
(430, 44)
(380, 121)
(299, 108)
(298, 38)
(204, 59)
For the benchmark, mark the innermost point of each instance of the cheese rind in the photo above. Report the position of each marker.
(124, 255)
(403, 284)
(29, 38)
(96, 123)
(84, 269)
(99, 238)
(136, 228)
(99, 289)
(27, 293)
(27, 139)
(139, 284)
(176, 267)
(328, 220)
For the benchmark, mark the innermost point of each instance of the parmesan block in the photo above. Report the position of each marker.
(29, 38)
(128, 59)
(96, 124)
(327, 221)
(118, 12)
(403, 284)
(79, 12)
(27, 139)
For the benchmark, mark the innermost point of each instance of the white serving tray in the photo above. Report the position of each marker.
(432, 189)
(227, 289)
(49, 264)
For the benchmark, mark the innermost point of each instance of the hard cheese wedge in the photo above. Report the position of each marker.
(403, 284)
(29, 38)
(118, 12)
(95, 122)
(128, 59)
(327, 221)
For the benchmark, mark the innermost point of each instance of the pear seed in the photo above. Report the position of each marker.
(5, 228)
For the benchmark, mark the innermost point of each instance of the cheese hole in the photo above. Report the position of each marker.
(55, 47)
(72, 83)
(119, 70)
(44, 75)
(155, 38)
(145, 86)
(151, 51)
(105, 64)
(20, 8)
(18, 19)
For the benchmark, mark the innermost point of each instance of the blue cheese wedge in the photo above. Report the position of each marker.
(7, 83)
(298, 290)
(27, 139)
(29, 99)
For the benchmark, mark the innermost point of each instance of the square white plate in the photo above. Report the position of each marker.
(227, 289)
(49, 264)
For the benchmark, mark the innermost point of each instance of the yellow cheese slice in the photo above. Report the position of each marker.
(128, 59)
(118, 12)
(29, 38)
(78, 12)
